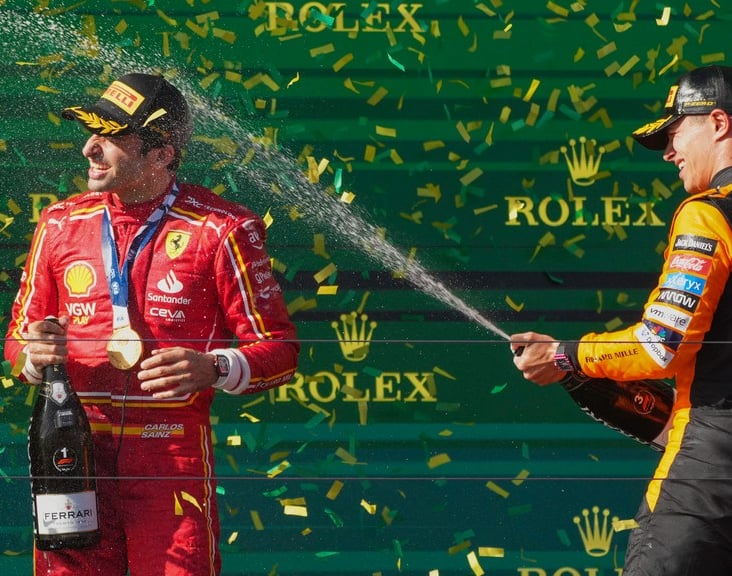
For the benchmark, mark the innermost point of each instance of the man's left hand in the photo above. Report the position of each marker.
(171, 372)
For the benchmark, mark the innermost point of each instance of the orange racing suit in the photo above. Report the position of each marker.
(685, 520)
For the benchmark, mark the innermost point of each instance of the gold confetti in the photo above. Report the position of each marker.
(471, 176)
(334, 490)
(279, 469)
(710, 58)
(665, 17)
(557, 9)
(520, 477)
(474, 564)
(342, 62)
(532, 89)
(493, 487)
(191, 499)
(325, 273)
(377, 96)
(301, 511)
(433, 145)
(385, 131)
(346, 456)
(608, 48)
(514, 305)
(370, 508)
(490, 552)
(441, 372)
(320, 50)
(438, 460)
(622, 525)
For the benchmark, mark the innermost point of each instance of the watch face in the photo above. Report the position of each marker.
(222, 365)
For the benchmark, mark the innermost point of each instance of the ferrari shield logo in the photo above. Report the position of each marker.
(175, 242)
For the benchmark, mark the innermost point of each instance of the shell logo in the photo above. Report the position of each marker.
(79, 279)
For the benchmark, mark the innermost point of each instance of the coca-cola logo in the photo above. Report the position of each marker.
(643, 401)
(691, 263)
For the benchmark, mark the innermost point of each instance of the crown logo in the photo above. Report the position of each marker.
(583, 166)
(354, 335)
(596, 534)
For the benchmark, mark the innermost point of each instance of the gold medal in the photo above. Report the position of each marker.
(124, 350)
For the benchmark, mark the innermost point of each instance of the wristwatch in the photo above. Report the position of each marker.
(221, 363)
(563, 360)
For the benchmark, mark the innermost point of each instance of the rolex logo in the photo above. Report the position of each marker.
(596, 533)
(354, 335)
(583, 164)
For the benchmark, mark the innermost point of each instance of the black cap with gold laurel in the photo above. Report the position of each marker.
(138, 103)
(699, 91)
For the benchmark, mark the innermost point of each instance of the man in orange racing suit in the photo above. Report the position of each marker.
(685, 520)
(153, 280)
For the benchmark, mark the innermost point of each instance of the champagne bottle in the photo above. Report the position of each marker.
(60, 451)
(638, 408)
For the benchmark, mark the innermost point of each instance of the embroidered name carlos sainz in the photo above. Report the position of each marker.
(162, 430)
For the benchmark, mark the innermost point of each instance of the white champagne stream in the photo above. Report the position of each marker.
(46, 37)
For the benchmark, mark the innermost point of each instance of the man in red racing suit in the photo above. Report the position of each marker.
(685, 520)
(201, 282)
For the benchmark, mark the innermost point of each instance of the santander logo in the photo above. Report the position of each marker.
(170, 284)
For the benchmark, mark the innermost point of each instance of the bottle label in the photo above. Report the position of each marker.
(58, 392)
(66, 513)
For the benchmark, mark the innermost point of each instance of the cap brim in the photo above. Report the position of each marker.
(95, 121)
(653, 135)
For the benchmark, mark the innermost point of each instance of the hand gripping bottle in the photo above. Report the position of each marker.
(640, 409)
(61, 457)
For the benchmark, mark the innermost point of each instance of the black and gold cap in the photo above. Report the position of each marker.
(699, 91)
(138, 103)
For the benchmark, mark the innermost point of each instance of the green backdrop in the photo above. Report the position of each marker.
(429, 171)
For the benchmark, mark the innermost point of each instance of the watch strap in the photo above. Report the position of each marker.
(565, 357)
(239, 374)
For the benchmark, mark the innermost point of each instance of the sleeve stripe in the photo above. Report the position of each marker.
(240, 272)
(28, 288)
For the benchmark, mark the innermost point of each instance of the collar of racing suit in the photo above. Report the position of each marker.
(722, 178)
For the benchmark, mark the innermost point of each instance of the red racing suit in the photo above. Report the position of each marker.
(685, 333)
(204, 281)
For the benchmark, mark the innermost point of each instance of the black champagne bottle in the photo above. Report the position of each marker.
(638, 408)
(60, 450)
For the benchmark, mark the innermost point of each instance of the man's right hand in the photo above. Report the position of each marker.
(47, 343)
(534, 357)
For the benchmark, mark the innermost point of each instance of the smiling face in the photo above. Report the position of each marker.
(118, 165)
(694, 148)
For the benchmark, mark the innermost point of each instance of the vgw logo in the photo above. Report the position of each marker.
(596, 531)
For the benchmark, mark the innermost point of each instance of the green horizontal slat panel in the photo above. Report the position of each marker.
(450, 139)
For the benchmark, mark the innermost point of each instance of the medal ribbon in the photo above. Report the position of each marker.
(118, 278)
